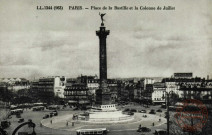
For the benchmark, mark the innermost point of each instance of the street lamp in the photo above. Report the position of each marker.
(167, 104)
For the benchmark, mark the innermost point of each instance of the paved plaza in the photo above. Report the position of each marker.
(58, 124)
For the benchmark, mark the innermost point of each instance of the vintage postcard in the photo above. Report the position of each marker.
(97, 67)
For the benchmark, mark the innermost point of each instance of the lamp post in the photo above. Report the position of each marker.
(167, 104)
(164, 97)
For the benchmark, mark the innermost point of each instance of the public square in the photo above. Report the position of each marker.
(62, 128)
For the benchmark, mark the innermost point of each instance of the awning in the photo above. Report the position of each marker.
(84, 102)
(159, 101)
(72, 101)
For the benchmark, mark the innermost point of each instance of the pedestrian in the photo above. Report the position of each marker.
(153, 124)
(40, 124)
(67, 123)
(51, 121)
(140, 126)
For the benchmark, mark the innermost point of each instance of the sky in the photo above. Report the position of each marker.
(142, 43)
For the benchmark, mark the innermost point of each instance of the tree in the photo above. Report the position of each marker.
(46, 97)
(173, 99)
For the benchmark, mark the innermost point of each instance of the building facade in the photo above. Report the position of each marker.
(158, 95)
(49, 85)
(76, 92)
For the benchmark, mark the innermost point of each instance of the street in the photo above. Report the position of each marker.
(115, 129)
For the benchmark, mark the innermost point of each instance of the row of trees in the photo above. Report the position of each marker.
(27, 96)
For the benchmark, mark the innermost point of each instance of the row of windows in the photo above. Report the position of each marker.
(158, 99)
(93, 81)
(43, 90)
(97, 81)
(202, 92)
(75, 93)
(43, 86)
(46, 82)
(107, 106)
(76, 88)
(75, 97)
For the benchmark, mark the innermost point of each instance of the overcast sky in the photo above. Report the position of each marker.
(141, 43)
